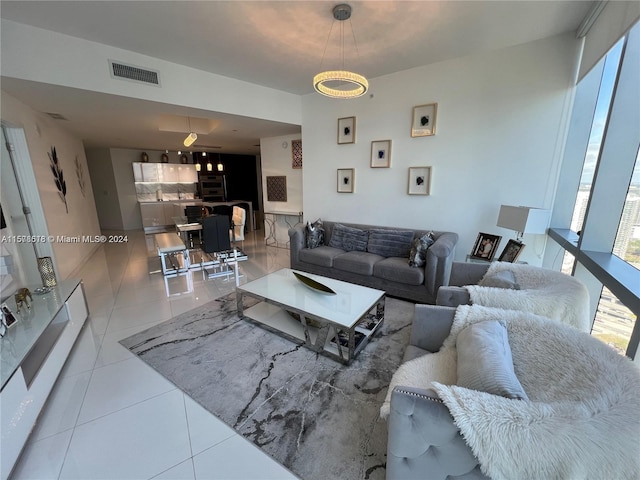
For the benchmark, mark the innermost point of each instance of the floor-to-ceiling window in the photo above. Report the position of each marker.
(602, 243)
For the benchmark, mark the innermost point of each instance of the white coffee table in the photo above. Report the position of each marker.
(334, 325)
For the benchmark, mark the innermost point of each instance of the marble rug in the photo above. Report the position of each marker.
(315, 416)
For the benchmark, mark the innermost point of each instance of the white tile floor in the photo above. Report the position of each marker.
(110, 416)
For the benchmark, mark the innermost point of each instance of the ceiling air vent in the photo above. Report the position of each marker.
(137, 74)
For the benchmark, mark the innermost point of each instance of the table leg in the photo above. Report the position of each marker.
(239, 303)
(380, 309)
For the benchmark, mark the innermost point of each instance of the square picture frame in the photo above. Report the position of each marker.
(381, 154)
(346, 180)
(512, 251)
(423, 122)
(277, 188)
(419, 181)
(346, 130)
(485, 246)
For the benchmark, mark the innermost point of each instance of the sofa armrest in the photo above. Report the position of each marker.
(463, 273)
(296, 243)
(439, 260)
(423, 440)
(431, 325)
(453, 296)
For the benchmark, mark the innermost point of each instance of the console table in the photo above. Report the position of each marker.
(288, 220)
(32, 353)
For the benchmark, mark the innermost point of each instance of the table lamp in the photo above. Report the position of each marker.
(523, 220)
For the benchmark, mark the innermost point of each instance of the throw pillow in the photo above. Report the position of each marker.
(503, 279)
(419, 246)
(314, 234)
(348, 238)
(390, 243)
(485, 362)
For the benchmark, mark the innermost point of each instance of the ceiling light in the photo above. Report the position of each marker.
(192, 137)
(325, 82)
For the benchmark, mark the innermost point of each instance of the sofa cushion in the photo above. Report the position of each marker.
(314, 234)
(348, 238)
(357, 262)
(322, 255)
(390, 243)
(419, 246)
(396, 269)
(502, 279)
(485, 362)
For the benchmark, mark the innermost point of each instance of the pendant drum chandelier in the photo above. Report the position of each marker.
(322, 82)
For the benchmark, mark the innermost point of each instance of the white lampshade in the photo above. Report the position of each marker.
(523, 219)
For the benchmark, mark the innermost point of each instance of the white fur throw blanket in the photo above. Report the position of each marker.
(542, 291)
(582, 420)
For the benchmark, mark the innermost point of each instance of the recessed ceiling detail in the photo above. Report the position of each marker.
(57, 116)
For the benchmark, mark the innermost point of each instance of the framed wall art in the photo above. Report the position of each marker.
(485, 246)
(381, 154)
(296, 153)
(419, 181)
(277, 189)
(346, 130)
(423, 123)
(346, 180)
(512, 251)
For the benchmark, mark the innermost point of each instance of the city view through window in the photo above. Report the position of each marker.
(614, 322)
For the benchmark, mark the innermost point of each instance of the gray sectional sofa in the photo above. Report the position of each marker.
(393, 274)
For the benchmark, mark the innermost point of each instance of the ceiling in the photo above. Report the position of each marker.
(278, 44)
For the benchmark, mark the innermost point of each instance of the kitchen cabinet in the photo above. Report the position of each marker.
(137, 172)
(153, 214)
(150, 172)
(187, 174)
(167, 181)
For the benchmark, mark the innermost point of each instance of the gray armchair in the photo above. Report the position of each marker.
(462, 273)
(538, 290)
(423, 441)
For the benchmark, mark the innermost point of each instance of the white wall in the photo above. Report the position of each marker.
(276, 161)
(68, 61)
(122, 160)
(500, 129)
(43, 133)
(104, 188)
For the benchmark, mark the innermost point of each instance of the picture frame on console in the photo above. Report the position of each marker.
(346, 180)
(423, 123)
(486, 246)
(381, 154)
(419, 181)
(511, 251)
(346, 130)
